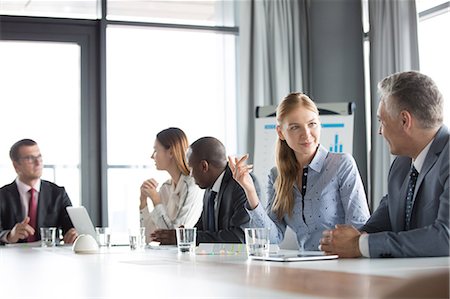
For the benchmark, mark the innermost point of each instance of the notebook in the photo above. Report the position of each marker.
(295, 257)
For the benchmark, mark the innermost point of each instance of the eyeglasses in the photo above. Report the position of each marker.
(31, 159)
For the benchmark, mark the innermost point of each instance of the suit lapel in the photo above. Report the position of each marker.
(431, 158)
(226, 178)
(16, 203)
(205, 209)
(42, 205)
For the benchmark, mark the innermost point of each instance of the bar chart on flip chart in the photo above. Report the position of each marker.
(337, 133)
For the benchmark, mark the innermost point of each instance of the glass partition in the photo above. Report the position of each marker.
(41, 100)
(159, 78)
(434, 49)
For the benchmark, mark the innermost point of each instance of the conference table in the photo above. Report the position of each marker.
(162, 272)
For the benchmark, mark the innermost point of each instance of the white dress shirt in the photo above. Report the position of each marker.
(24, 190)
(180, 205)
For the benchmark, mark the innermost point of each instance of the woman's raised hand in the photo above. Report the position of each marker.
(241, 173)
(148, 189)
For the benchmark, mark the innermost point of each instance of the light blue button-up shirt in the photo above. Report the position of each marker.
(334, 195)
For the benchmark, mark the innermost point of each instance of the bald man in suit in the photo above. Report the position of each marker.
(209, 167)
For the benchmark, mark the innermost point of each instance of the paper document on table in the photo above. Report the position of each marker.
(25, 245)
(227, 248)
(296, 257)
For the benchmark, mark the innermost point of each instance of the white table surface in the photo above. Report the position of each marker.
(118, 272)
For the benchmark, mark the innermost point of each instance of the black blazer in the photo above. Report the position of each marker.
(231, 217)
(52, 203)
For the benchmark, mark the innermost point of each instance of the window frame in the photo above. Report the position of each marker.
(85, 34)
(90, 35)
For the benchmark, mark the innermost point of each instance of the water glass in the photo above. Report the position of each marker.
(137, 238)
(257, 241)
(59, 237)
(103, 236)
(48, 236)
(186, 239)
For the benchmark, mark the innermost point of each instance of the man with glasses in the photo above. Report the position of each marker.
(29, 203)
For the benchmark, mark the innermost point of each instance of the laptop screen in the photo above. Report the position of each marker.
(81, 221)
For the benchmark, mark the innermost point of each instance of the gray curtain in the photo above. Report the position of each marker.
(273, 58)
(393, 48)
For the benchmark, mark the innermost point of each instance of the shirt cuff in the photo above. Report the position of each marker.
(158, 210)
(144, 213)
(4, 239)
(364, 245)
(248, 208)
(257, 212)
(257, 216)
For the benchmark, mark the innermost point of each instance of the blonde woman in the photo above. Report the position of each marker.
(179, 200)
(310, 189)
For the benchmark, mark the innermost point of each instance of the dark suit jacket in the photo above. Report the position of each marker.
(52, 203)
(429, 226)
(231, 216)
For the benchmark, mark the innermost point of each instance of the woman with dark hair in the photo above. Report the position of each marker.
(310, 189)
(179, 200)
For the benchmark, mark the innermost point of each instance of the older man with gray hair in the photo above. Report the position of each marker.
(413, 218)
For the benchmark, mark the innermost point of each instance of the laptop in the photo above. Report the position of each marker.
(81, 221)
(295, 257)
(83, 224)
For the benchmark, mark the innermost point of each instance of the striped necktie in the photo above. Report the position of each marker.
(410, 195)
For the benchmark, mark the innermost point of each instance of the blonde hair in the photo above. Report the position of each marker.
(288, 168)
(175, 140)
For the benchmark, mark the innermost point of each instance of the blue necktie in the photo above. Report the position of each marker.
(409, 196)
(211, 218)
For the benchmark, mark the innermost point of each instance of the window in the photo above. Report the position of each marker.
(136, 77)
(41, 92)
(160, 78)
(192, 12)
(366, 49)
(84, 9)
(434, 46)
